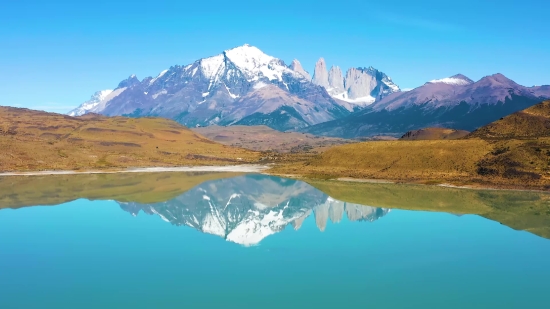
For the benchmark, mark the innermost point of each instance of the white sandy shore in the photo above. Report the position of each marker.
(227, 168)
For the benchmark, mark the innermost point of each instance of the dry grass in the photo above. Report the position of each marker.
(32, 140)
(21, 191)
(513, 152)
(532, 122)
(434, 134)
(263, 138)
(474, 162)
(401, 160)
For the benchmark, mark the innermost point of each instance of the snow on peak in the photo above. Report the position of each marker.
(250, 60)
(90, 104)
(456, 80)
(159, 76)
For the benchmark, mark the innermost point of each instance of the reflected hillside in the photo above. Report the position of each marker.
(520, 210)
(247, 209)
(21, 191)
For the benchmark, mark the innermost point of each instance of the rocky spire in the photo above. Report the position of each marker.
(336, 80)
(320, 75)
(297, 67)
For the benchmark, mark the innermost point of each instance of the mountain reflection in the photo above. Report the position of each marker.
(248, 208)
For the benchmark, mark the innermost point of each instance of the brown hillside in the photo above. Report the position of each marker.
(263, 138)
(434, 134)
(35, 140)
(513, 152)
(475, 162)
(529, 123)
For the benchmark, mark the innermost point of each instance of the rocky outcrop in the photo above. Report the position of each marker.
(336, 80)
(320, 75)
(297, 67)
(360, 86)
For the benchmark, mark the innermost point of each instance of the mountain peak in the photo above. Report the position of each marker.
(455, 80)
(94, 101)
(129, 82)
(297, 67)
(248, 59)
(320, 74)
(498, 79)
(247, 48)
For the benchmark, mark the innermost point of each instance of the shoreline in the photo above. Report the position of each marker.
(487, 187)
(243, 168)
(254, 168)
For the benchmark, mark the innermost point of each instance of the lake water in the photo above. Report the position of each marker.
(206, 240)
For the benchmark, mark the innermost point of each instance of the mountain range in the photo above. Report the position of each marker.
(244, 86)
(455, 102)
(246, 209)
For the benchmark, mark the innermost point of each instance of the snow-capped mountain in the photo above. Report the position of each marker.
(360, 86)
(458, 79)
(454, 102)
(246, 209)
(213, 90)
(94, 101)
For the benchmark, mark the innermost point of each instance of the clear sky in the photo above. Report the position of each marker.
(55, 54)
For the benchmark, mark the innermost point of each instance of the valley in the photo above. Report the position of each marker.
(263, 138)
(510, 153)
(246, 107)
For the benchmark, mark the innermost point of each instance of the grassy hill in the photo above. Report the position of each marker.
(34, 140)
(434, 133)
(533, 122)
(493, 155)
(263, 138)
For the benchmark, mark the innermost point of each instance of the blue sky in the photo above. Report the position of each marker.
(55, 54)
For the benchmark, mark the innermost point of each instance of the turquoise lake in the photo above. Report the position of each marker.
(256, 241)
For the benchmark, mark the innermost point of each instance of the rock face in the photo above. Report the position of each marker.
(246, 209)
(224, 89)
(360, 86)
(336, 80)
(297, 67)
(454, 102)
(320, 75)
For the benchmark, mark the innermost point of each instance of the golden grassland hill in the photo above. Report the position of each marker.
(263, 138)
(533, 122)
(21, 191)
(434, 133)
(34, 140)
(477, 160)
(529, 211)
